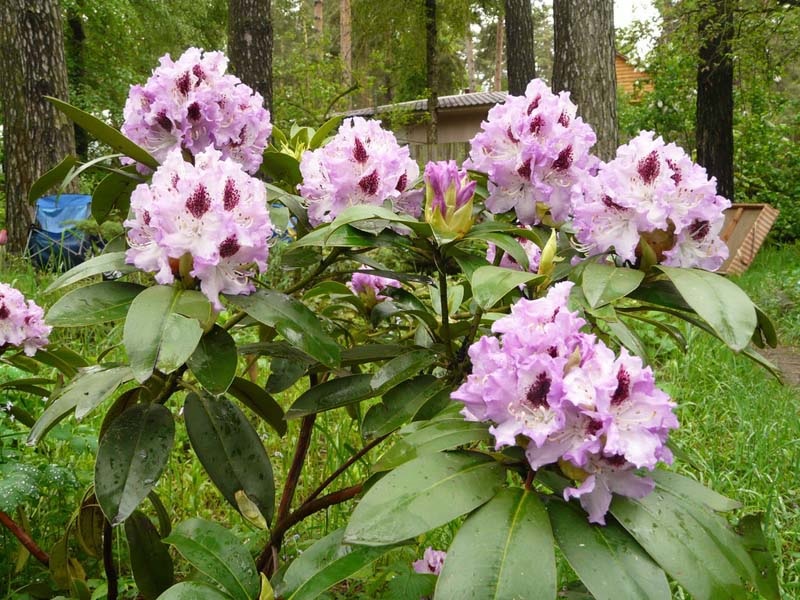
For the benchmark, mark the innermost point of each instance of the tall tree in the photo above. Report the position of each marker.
(250, 44)
(498, 55)
(520, 62)
(346, 40)
(36, 135)
(432, 69)
(714, 117)
(583, 63)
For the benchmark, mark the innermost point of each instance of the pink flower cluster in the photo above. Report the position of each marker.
(535, 152)
(431, 562)
(362, 164)
(21, 323)
(566, 397)
(370, 286)
(211, 212)
(653, 190)
(193, 104)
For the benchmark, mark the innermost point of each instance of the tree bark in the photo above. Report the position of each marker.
(714, 118)
(584, 65)
(520, 61)
(498, 56)
(319, 19)
(76, 70)
(36, 135)
(432, 69)
(250, 44)
(346, 41)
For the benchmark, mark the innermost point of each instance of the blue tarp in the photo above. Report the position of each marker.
(53, 241)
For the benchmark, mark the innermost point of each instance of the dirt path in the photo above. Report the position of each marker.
(787, 358)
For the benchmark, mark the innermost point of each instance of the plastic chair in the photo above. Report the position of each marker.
(53, 240)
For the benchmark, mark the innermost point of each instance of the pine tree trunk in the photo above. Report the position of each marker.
(319, 11)
(584, 65)
(76, 69)
(250, 44)
(714, 120)
(346, 41)
(469, 50)
(36, 135)
(498, 56)
(521, 65)
(432, 69)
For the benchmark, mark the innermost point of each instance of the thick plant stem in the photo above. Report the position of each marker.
(24, 539)
(448, 342)
(108, 562)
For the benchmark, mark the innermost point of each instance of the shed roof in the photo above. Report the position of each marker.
(445, 102)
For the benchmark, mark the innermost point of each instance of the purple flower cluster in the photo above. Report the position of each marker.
(21, 323)
(431, 562)
(211, 212)
(193, 104)
(369, 286)
(362, 164)
(535, 152)
(566, 397)
(654, 191)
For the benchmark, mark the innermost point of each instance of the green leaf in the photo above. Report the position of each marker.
(131, 457)
(230, 451)
(88, 527)
(94, 304)
(84, 393)
(490, 284)
(282, 167)
(61, 358)
(105, 133)
(509, 244)
(629, 338)
(436, 487)
(155, 336)
(293, 320)
(193, 590)
(332, 394)
(603, 283)
(52, 178)
(113, 261)
(260, 402)
(325, 564)
(432, 437)
(325, 130)
(214, 360)
(402, 368)
(694, 491)
(151, 563)
(400, 404)
(284, 373)
(749, 527)
(218, 554)
(516, 557)
(691, 543)
(720, 302)
(765, 334)
(606, 558)
(113, 193)
(364, 212)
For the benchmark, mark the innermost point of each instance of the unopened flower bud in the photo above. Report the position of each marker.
(448, 200)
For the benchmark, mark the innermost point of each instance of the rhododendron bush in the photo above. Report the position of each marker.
(479, 322)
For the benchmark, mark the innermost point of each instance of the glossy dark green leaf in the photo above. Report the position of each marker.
(151, 563)
(401, 368)
(324, 564)
(284, 373)
(332, 394)
(431, 437)
(629, 338)
(193, 590)
(88, 527)
(51, 178)
(610, 563)
(364, 212)
(113, 193)
(490, 284)
(155, 336)
(749, 527)
(516, 557)
(509, 245)
(359, 355)
(604, 283)
(693, 490)
(84, 393)
(765, 335)
(30, 385)
(282, 167)
(423, 494)
(219, 555)
(105, 133)
(61, 358)
(325, 130)
(254, 397)
(293, 320)
(400, 404)
(113, 261)
(720, 302)
(94, 304)
(694, 545)
(131, 457)
(230, 451)
(195, 305)
(214, 361)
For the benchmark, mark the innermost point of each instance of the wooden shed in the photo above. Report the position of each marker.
(746, 226)
(631, 80)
